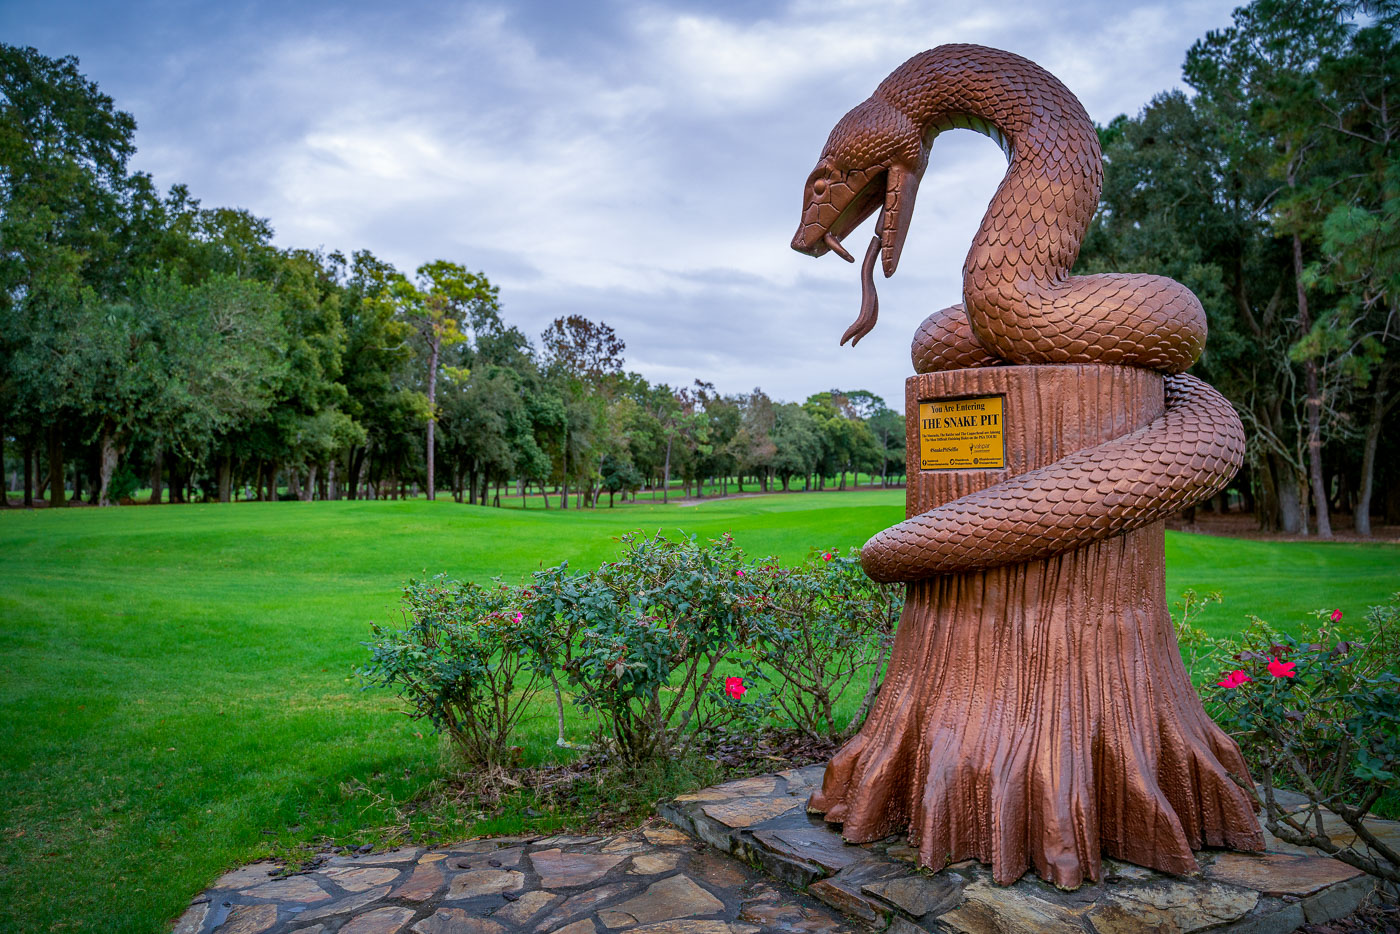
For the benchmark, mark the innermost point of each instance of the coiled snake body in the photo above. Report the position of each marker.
(1021, 306)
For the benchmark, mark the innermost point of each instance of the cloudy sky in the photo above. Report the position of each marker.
(639, 163)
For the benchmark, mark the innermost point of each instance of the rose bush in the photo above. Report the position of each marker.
(1318, 714)
(675, 644)
(648, 641)
(822, 626)
(467, 659)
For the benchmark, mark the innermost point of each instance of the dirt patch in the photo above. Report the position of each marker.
(1382, 918)
(1244, 525)
(693, 501)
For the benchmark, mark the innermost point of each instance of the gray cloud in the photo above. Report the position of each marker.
(635, 162)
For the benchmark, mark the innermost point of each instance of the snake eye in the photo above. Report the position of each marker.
(819, 187)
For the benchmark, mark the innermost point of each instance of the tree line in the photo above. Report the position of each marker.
(1273, 190)
(145, 339)
(149, 341)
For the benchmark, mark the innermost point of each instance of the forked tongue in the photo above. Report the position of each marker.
(869, 301)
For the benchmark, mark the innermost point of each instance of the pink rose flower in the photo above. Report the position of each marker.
(1234, 679)
(1336, 616)
(734, 687)
(1281, 669)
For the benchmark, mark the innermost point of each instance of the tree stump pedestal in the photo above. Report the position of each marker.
(1038, 714)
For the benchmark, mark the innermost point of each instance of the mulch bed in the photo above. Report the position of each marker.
(571, 787)
(1372, 919)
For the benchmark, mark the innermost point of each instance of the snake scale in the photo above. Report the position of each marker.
(1021, 306)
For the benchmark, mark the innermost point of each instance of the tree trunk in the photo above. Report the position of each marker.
(57, 495)
(225, 478)
(177, 489)
(435, 345)
(332, 489)
(309, 491)
(666, 472)
(1038, 714)
(109, 454)
(28, 458)
(1380, 407)
(355, 466)
(1290, 502)
(4, 480)
(157, 475)
(1314, 402)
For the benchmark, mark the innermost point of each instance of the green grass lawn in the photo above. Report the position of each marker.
(178, 695)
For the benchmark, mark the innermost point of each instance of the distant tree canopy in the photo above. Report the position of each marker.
(146, 340)
(1273, 190)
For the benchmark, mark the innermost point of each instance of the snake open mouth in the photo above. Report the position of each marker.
(864, 203)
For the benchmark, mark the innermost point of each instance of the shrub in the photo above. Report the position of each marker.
(123, 484)
(649, 642)
(1320, 715)
(824, 624)
(668, 645)
(469, 660)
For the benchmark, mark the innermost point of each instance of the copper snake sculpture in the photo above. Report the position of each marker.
(1021, 306)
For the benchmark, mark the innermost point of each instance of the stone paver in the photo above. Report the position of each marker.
(671, 898)
(425, 882)
(651, 880)
(1280, 873)
(879, 884)
(456, 921)
(379, 921)
(558, 869)
(526, 907)
(360, 878)
(294, 889)
(346, 906)
(479, 882)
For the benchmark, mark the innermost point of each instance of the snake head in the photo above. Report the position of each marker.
(874, 158)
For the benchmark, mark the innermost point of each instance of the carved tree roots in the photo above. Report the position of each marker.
(1039, 714)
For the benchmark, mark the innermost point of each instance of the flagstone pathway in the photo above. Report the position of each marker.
(654, 880)
(659, 880)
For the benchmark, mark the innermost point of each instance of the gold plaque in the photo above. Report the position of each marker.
(961, 434)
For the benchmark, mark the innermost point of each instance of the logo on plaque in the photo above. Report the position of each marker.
(961, 434)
